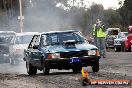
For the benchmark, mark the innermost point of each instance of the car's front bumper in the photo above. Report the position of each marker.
(110, 44)
(118, 46)
(65, 63)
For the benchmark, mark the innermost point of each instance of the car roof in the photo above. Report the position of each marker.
(123, 32)
(27, 33)
(113, 28)
(7, 32)
(50, 32)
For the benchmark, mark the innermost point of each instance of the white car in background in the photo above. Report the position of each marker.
(111, 34)
(21, 42)
(119, 41)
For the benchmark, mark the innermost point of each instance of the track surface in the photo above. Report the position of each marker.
(117, 65)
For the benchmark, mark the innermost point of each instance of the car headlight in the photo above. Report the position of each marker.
(94, 52)
(53, 55)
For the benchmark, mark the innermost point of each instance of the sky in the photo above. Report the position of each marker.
(106, 3)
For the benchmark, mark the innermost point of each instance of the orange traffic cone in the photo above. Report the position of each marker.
(85, 75)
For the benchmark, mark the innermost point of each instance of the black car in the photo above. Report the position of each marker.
(60, 50)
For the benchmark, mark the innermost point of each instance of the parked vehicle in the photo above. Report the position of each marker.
(60, 50)
(21, 42)
(128, 40)
(119, 41)
(6, 38)
(111, 35)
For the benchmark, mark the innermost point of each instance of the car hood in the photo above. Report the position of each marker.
(63, 48)
(20, 46)
(120, 39)
(112, 36)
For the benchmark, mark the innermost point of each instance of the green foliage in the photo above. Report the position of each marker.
(110, 17)
(126, 13)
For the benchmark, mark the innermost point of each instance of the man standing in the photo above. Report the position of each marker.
(99, 37)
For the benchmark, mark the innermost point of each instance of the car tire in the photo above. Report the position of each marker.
(130, 48)
(31, 70)
(12, 61)
(116, 49)
(122, 47)
(95, 66)
(46, 69)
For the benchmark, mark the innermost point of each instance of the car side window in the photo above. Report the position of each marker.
(43, 41)
(119, 36)
(35, 41)
(123, 35)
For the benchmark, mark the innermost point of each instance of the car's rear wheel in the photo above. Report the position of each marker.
(95, 66)
(31, 70)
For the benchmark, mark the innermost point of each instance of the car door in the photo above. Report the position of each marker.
(35, 52)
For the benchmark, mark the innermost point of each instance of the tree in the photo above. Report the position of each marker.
(112, 18)
(126, 13)
(90, 16)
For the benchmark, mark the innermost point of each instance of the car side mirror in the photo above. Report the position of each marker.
(35, 46)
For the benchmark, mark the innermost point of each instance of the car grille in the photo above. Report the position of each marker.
(73, 54)
(117, 42)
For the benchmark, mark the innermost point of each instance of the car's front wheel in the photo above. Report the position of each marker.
(117, 49)
(46, 69)
(95, 66)
(123, 47)
(31, 70)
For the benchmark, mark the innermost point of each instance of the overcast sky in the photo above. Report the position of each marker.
(106, 3)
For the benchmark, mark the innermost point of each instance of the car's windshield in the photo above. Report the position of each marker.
(61, 38)
(113, 32)
(25, 39)
(5, 39)
(123, 35)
